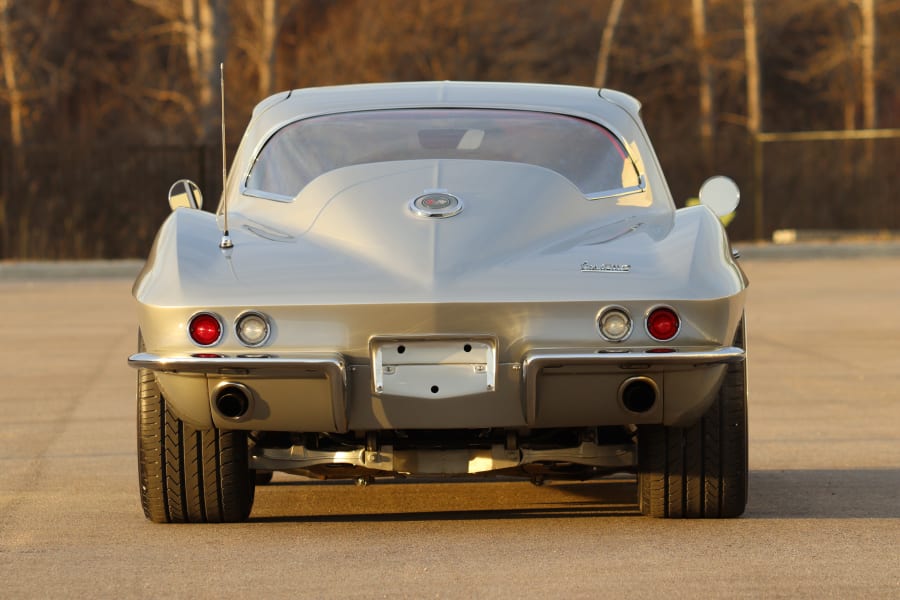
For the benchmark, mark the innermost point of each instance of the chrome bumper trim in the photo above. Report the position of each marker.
(628, 359)
(243, 364)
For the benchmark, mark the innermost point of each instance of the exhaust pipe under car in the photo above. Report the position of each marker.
(234, 401)
(639, 394)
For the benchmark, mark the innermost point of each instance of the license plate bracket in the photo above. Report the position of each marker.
(434, 368)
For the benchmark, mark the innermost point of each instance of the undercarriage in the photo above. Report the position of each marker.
(539, 455)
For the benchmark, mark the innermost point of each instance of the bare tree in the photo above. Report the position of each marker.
(269, 39)
(606, 42)
(707, 124)
(257, 35)
(209, 28)
(14, 97)
(754, 112)
(31, 79)
(29, 73)
(203, 27)
(834, 55)
(867, 48)
(751, 53)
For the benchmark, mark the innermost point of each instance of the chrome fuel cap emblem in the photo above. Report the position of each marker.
(436, 205)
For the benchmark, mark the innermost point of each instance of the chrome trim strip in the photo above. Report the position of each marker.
(642, 360)
(247, 191)
(626, 191)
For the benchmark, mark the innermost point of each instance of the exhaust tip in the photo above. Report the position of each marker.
(233, 401)
(639, 394)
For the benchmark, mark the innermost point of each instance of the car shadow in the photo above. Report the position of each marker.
(774, 494)
(824, 494)
(442, 500)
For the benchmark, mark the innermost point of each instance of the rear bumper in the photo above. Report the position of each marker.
(557, 384)
(322, 392)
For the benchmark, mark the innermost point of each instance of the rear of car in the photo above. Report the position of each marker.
(442, 280)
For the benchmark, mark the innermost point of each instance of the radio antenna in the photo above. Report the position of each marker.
(226, 239)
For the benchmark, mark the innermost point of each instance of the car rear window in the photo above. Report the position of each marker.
(582, 151)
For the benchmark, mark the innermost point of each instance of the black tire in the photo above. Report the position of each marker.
(189, 475)
(699, 471)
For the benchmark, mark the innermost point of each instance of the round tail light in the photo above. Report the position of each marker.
(252, 329)
(615, 324)
(663, 323)
(205, 329)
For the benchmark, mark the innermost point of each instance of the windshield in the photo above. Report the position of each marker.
(585, 153)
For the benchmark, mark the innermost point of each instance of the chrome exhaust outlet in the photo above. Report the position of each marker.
(638, 394)
(233, 401)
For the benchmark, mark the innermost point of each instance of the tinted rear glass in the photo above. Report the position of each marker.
(580, 150)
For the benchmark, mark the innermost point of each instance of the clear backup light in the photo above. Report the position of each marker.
(205, 329)
(615, 324)
(663, 323)
(252, 329)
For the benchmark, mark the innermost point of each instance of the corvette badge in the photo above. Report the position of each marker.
(436, 205)
(587, 267)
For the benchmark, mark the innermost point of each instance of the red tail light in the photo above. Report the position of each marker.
(205, 329)
(663, 323)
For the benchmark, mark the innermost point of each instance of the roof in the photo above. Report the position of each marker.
(284, 107)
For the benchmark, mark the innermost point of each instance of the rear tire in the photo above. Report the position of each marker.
(189, 475)
(699, 471)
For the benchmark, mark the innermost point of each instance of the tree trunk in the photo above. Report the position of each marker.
(16, 102)
(754, 116)
(707, 125)
(869, 99)
(16, 105)
(269, 42)
(609, 32)
(212, 22)
(205, 31)
(751, 54)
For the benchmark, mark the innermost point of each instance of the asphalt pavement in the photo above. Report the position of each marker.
(823, 519)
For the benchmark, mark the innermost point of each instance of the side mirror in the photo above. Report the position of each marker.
(720, 194)
(185, 193)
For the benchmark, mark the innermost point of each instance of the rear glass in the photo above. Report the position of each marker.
(580, 150)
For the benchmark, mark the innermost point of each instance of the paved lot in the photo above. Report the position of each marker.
(823, 519)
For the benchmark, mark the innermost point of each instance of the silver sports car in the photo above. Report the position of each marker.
(442, 279)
